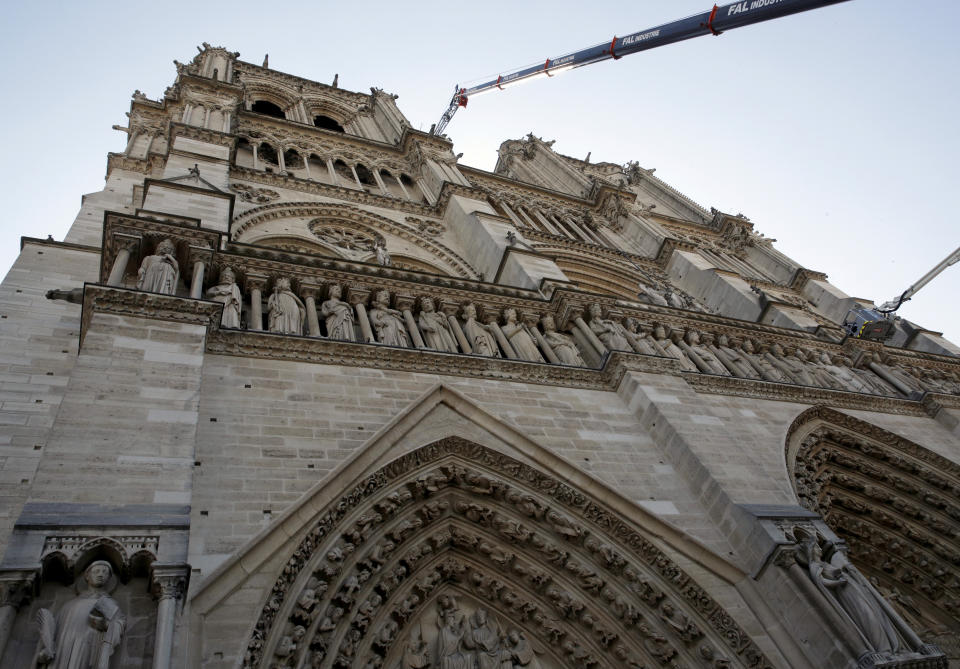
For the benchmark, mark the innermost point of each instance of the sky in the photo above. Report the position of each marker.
(834, 130)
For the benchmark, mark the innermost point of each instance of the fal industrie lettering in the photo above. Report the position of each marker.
(630, 39)
(754, 4)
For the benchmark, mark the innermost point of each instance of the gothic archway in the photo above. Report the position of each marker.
(454, 528)
(896, 504)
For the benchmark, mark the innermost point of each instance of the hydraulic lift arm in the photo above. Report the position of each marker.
(712, 22)
(894, 304)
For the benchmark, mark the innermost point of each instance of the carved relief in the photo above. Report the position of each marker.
(255, 195)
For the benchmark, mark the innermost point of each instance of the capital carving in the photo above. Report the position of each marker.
(17, 587)
(169, 581)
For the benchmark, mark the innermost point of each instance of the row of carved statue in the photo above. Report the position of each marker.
(535, 338)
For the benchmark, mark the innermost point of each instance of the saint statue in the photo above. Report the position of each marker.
(159, 273)
(612, 334)
(388, 322)
(339, 316)
(287, 312)
(228, 293)
(481, 339)
(436, 329)
(87, 630)
(449, 638)
(670, 347)
(561, 344)
(483, 640)
(519, 338)
(518, 654)
(383, 256)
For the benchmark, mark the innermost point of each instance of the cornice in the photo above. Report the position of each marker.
(242, 66)
(36, 241)
(201, 134)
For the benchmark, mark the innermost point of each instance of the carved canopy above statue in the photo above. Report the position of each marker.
(460, 556)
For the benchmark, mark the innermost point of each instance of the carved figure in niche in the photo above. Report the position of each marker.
(416, 655)
(701, 355)
(228, 293)
(518, 652)
(436, 329)
(639, 337)
(791, 366)
(449, 640)
(383, 256)
(868, 376)
(651, 295)
(727, 352)
(286, 311)
(679, 622)
(844, 587)
(388, 322)
(479, 335)
(822, 376)
(669, 347)
(338, 315)
(611, 333)
(519, 338)
(87, 630)
(483, 640)
(288, 644)
(159, 273)
(561, 344)
(758, 356)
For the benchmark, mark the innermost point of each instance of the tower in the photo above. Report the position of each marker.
(319, 395)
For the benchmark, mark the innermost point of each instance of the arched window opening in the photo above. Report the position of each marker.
(344, 175)
(366, 178)
(318, 169)
(268, 109)
(412, 188)
(268, 154)
(292, 160)
(391, 184)
(244, 157)
(327, 123)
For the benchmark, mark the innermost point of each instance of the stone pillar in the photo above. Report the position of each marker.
(353, 168)
(590, 336)
(254, 287)
(281, 163)
(404, 304)
(501, 338)
(309, 294)
(16, 589)
(358, 297)
(256, 161)
(402, 187)
(306, 165)
(200, 257)
(333, 173)
(891, 379)
(376, 177)
(168, 584)
(126, 245)
(530, 320)
(450, 310)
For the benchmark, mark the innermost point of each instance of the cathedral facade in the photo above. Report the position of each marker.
(298, 389)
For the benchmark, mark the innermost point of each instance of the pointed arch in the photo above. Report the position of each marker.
(897, 505)
(362, 562)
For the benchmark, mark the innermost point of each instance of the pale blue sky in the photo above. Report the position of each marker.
(835, 131)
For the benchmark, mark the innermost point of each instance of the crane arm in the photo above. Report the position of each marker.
(893, 305)
(714, 21)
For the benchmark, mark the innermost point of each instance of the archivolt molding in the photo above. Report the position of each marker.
(245, 222)
(895, 502)
(456, 518)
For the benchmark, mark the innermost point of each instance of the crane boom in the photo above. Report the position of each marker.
(714, 21)
(894, 304)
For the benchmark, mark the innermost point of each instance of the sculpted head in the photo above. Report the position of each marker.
(227, 276)
(510, 315)
(692, 337)
(281, 285)
(469, 311)
(596, 311)
(166, 247)
(659, 332)
(548, 323)
(334, 291)
(724, 341)
(776, 349)
(427, 304)
(383, 297)
(748, 346)
(98, 574)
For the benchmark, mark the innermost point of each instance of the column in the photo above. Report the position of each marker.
(404, 304)
(16, 588)
(423, 189)
(589, 335)
(530, 320)
(309, 294)
(450, 310)
(333, 173)
(306, 165)
(357, 297)
(168, 584)
(403, 188)
(376, 177)
(126, 246)
(200, 256)
(254, 287)
(256, 160)
(353, 169)
(501, 338)
(280, 161)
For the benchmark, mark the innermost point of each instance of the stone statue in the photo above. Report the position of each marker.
(159, 273)
(651, 295)
(638, 335)
(388, 322)
(791, 366)
(449, 638)
(821, 375)
(758, 356)
(338, 315)
(383, 256)
(518, 653)
(436, 329)
(839, 367)
(561, 344)
(483, 640)
(286, 311)
(519, 338)
(611, 333)
(479, 335)
(87, 629)
(701, 355)
(415, 655)
(228, 293)
(727, 352)
(845, 588)
(668, 346)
